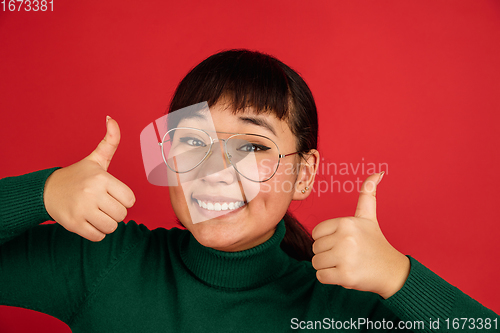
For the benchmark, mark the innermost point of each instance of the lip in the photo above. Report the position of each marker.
(215, 198)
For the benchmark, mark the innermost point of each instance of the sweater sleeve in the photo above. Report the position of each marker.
(21, 203)
(45, 267)
(427, 298)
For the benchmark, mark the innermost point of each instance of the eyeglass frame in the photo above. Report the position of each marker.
(209, 151)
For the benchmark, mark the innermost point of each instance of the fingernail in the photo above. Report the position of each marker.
(381, 176)
(107, 119)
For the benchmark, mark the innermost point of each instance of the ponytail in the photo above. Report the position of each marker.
(297, 242)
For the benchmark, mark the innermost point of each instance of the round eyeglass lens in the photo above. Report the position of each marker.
(255, 157)
(183, 149)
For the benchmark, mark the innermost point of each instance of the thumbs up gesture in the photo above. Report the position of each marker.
(353, 252)
(84, 198)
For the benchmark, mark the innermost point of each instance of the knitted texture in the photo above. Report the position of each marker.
(141, 280)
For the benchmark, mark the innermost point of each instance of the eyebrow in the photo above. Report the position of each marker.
(247, 119)
(259, 122)
(196, 114)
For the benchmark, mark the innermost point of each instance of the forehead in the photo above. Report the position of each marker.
(223, 118)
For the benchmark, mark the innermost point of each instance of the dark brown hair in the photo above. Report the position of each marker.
(254, 79)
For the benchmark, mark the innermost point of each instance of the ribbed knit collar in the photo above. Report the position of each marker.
(237, 270)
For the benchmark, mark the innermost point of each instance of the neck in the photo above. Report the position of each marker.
(236, 270)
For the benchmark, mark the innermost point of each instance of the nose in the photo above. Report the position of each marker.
(216, 167)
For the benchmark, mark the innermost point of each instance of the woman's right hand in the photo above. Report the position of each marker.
(84, 198)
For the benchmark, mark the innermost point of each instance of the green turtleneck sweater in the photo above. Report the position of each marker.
(141, 280)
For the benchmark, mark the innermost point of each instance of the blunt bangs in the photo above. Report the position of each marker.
(241, 78)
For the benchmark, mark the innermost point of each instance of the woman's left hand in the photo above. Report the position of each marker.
(353, 252)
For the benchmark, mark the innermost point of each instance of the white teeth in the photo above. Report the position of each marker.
(220, 206)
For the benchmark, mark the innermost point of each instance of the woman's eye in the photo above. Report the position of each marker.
(193, 142)
(253, 147)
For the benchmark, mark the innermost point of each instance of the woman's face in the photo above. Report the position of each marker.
(216, 181)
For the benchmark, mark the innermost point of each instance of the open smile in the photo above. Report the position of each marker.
(217, 206)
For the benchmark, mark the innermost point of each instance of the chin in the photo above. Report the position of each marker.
(222, 237)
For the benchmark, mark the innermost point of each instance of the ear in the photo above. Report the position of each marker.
(307, 172)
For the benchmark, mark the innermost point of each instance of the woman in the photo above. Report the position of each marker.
(243, 264)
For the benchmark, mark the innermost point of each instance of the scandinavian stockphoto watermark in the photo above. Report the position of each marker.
(331, 177)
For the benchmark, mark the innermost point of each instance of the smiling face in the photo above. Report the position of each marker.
(237, 213)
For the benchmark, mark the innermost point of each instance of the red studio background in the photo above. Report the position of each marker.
(410, 87)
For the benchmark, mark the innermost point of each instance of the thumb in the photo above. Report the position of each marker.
(367, 203)
(107, 147)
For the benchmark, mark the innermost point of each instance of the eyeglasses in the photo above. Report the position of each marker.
(253, 156)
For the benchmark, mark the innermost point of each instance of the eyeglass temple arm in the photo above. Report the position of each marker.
(281, 155)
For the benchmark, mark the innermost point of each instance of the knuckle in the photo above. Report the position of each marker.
(132, 200)
(324, 277)
(314, 262)
(321, 227)
(112, 228)
(320, 277)
(343, 221)
(88, 188)
(98, 238)
(369, 187)
(101, 177)
(95, 235)
(315, 248)
(314, 233)
(130, 203)
(122, 215)
(108, 227)
(350, 241)
(346, 224)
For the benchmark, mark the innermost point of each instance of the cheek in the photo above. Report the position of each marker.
(179, 204)
(283, 182)
(180, 184)
(276, 194)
